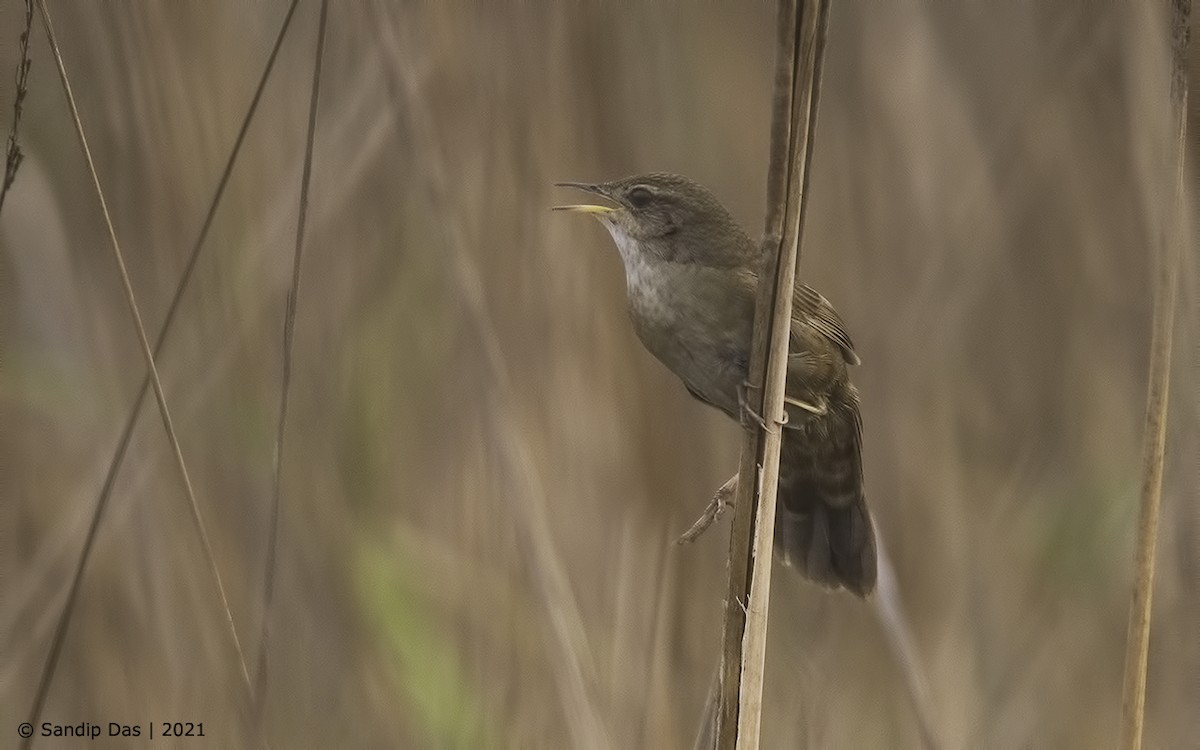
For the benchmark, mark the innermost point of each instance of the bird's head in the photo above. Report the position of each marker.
(666, 216)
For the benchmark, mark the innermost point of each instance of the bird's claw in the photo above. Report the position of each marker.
(748, 411)
(820, 410)
(721, 500)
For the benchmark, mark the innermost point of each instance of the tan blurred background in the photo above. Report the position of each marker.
(484, 471)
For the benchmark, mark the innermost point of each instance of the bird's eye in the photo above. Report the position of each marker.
(640, 197)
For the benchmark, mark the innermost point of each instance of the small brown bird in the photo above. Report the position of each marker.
(691, 275)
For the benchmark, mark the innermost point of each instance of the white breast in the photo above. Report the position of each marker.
(648, 294)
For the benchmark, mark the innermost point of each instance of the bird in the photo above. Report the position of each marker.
(691, 277)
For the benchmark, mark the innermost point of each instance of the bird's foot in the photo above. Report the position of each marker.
(820, 409)
(722, 499)
(748, 411)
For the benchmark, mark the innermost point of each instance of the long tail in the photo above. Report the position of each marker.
(822, 524)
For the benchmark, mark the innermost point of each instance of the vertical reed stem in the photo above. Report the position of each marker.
(1154, 436)
(801, 41)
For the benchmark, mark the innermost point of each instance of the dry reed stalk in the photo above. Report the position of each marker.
(114, 466)
(160, 397)
(801, 42)
(13, 157)
(289, 329)
(1154, 435)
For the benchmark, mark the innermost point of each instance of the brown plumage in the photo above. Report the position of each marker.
(691, 275)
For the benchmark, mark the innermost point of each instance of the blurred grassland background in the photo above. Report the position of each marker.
(484, 471)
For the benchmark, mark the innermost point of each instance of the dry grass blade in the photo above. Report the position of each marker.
(13, 157)
(800, 51)
(576, 664)
(1154, 436)
(289, 328)
(890, 611)
(114, 465)
(52, 658)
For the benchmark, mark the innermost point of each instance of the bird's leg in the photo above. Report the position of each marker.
(722, 499)
(749, 412)
(820, 409)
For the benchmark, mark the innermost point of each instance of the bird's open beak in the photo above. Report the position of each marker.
(586, 208)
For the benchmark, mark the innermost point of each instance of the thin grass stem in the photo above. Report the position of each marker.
(289, 335)
(1154, 434)
(114, 466)
(13, 154)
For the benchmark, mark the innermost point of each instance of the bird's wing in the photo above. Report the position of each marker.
(809, 306)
